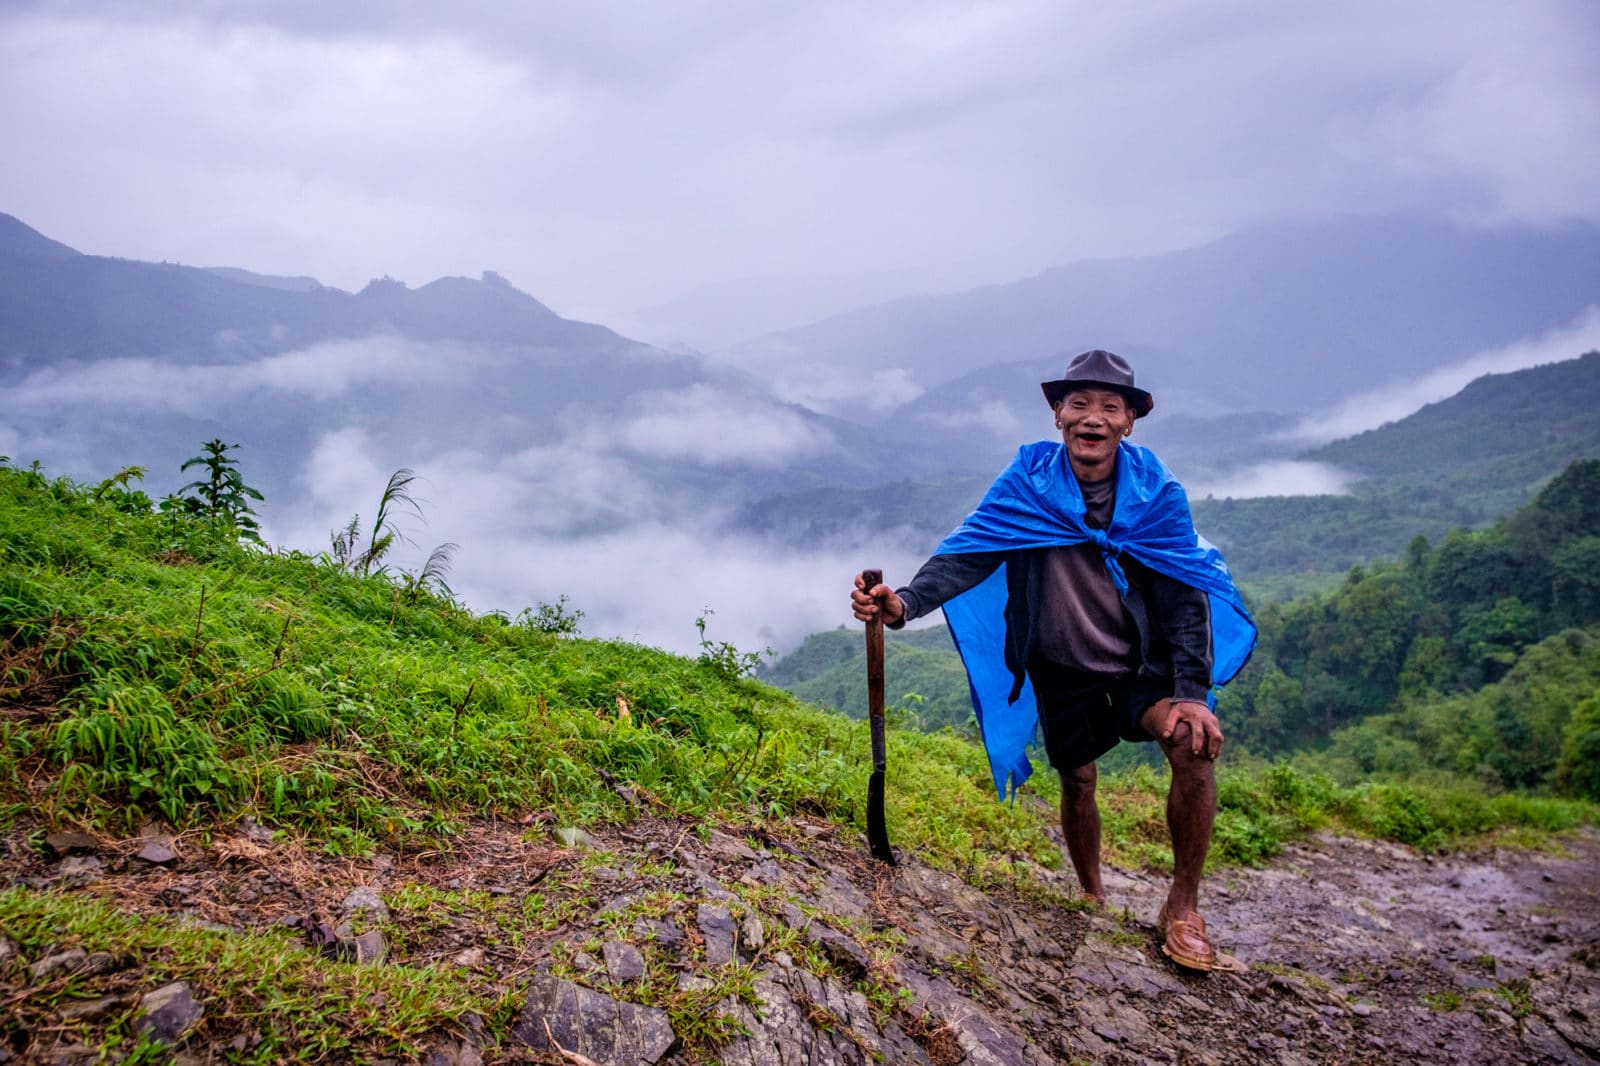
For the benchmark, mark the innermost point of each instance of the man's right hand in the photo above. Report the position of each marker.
(879, 603)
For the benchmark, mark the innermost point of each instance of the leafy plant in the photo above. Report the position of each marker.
(725, 660)
(556, 618)
(221, 496)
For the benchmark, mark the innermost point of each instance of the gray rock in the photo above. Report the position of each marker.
(840, 896)
(624, 963)
(464, 1050)
(762, 872)
(661, 932)
(100, 962)
(156, 853)
(593, 1025)
(752, 933)
(72, 960)
(716, 926)
(726, 847)
(365, 899)
(470, 958)
(9, 952)
(450, 1052)
(368, 948)
(1499, 1019)
(169, 1013)
(711, 888)
(93, 1010)
(1572, 1006)
(843, 951)
(784, 1030)
(613, 905)
(984, 1040)
(64, 842)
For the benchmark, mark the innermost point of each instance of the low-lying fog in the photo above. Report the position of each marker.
(578, 513)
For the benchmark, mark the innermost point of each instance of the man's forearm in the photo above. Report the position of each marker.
(943, 578)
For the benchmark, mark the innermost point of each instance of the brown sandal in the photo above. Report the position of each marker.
(1187, 944)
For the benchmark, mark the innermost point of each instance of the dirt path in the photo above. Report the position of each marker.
(1359, 952)
(1482, 957)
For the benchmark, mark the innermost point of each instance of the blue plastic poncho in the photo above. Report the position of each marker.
(1036, 503)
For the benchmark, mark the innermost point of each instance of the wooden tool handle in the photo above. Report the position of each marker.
(872, 579)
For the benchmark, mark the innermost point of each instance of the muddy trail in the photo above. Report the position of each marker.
(1358, 951)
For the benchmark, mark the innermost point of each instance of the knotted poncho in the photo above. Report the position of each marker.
(1036, 503)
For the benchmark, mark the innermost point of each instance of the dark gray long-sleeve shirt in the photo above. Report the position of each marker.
(1163, 626)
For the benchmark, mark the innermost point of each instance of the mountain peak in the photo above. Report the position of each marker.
(19, 238)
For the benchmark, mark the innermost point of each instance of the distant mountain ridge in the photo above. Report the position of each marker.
(1463, 461)
(551, 438)
(18, 238)
(57, 304)
(454, 365)
(301, 283)
(1286, 318)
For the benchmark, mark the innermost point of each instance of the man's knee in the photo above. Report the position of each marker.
(1179, 747)
(1189, 770)
(1077, 786)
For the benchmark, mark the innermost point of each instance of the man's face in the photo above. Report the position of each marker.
(1093, 423)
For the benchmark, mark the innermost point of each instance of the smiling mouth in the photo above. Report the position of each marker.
(1090, 436)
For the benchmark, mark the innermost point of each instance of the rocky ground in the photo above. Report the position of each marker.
(810, 953)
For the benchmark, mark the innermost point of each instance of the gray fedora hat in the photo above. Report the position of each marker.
(1099, 369)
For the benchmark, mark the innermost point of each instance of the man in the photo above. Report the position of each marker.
(1080, 576)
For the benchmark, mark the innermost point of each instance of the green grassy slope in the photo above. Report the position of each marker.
(151, 669)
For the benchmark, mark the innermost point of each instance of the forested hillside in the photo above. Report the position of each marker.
(1479, 656)
(1463, 461)
(1419, 637)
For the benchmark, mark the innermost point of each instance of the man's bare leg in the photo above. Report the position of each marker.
(1191, 810)
(1080, 824)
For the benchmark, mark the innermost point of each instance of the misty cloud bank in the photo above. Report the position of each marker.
(320, 371)
(1393, 402)
(1284, 477)
(643, 579)
(919, 147)
(585, 514)
(591, 510)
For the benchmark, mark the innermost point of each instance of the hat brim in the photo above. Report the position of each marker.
(1055, 391)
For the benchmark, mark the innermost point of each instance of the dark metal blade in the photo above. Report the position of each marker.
(877, 830)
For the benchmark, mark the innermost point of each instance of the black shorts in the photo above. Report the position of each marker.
(1085, 715)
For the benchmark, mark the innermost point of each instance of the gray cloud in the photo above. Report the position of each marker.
(1394, 402)
(610, 157)
(319, 371)
(1280, 477)
(642, 577)
(711, 425)
(996, 417)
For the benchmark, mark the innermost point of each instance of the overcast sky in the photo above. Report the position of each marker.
(609, 158)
